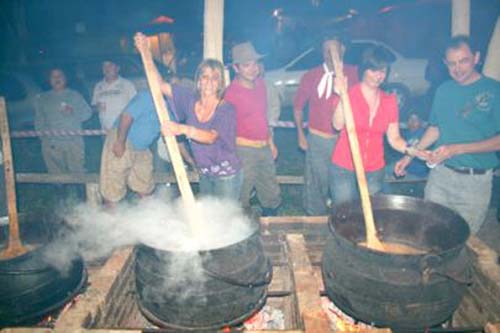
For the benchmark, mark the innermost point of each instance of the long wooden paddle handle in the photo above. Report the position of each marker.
(171, 142)
(14, 241)
(371, 232)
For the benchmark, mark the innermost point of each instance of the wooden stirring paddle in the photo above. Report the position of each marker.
(14, 246)
(372, 240)
(171, 142)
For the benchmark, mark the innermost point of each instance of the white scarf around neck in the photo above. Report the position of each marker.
(325, 85)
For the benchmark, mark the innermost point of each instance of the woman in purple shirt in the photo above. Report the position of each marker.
(210, 126)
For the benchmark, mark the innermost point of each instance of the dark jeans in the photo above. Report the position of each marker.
(344, 186)
(228, 187)
(316, 183)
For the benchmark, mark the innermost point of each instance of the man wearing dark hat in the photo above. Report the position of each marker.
(112, 94)
(256, 149)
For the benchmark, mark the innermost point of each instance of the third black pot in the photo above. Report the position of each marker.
(404, 292)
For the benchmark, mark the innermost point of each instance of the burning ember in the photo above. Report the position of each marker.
(266, 319)
(51, 319)
(340, 322)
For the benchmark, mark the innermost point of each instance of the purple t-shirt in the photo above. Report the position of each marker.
(218, 159)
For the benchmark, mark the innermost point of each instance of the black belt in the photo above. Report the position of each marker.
(468, 171)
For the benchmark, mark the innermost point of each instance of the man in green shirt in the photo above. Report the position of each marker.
(465, 128)
(61, 108)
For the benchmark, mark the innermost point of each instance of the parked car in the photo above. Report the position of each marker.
(406, 77)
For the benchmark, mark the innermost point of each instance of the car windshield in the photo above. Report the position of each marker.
(308, 61)
(353, 56)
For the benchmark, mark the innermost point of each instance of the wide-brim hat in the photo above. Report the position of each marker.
(244, 52)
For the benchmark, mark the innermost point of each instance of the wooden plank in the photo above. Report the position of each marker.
(491, 66)
(159, 177)
(94, 299)
(486, 259)
(293, 219)
(213, 28)
(306, 287)
(14, 247)
(460, 17)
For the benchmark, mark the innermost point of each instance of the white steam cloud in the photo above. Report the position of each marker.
(157, 223)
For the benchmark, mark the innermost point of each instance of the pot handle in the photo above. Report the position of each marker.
(267, 278)
(430, 265)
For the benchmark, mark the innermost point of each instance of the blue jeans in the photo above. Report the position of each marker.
(344, 186)
(227, 187)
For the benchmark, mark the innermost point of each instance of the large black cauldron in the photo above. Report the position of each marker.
(31, 287)
(404, 292)
(228, 286)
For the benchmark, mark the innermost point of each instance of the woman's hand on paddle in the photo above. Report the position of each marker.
(171, 128)
(339, 84)
(141, 42)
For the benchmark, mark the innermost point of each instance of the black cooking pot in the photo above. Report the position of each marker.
(404, 292)
(227, 287)
(31, 287)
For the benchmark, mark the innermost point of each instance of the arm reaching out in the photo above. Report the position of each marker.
(142, 44)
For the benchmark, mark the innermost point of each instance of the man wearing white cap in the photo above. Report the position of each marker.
(316, 90)
(256, 149)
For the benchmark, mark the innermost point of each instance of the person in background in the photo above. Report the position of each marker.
(412, 134)
(316, 90)
(61, 108)
(375, 114)
(465, 128)
(112, 94)
(255, 145)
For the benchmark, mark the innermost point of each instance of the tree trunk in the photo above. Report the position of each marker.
(492, 60)
(460, 17)
(213, 29)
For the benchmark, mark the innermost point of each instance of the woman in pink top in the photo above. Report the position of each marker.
(375, 113)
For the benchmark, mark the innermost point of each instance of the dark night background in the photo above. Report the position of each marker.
(37, 30)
